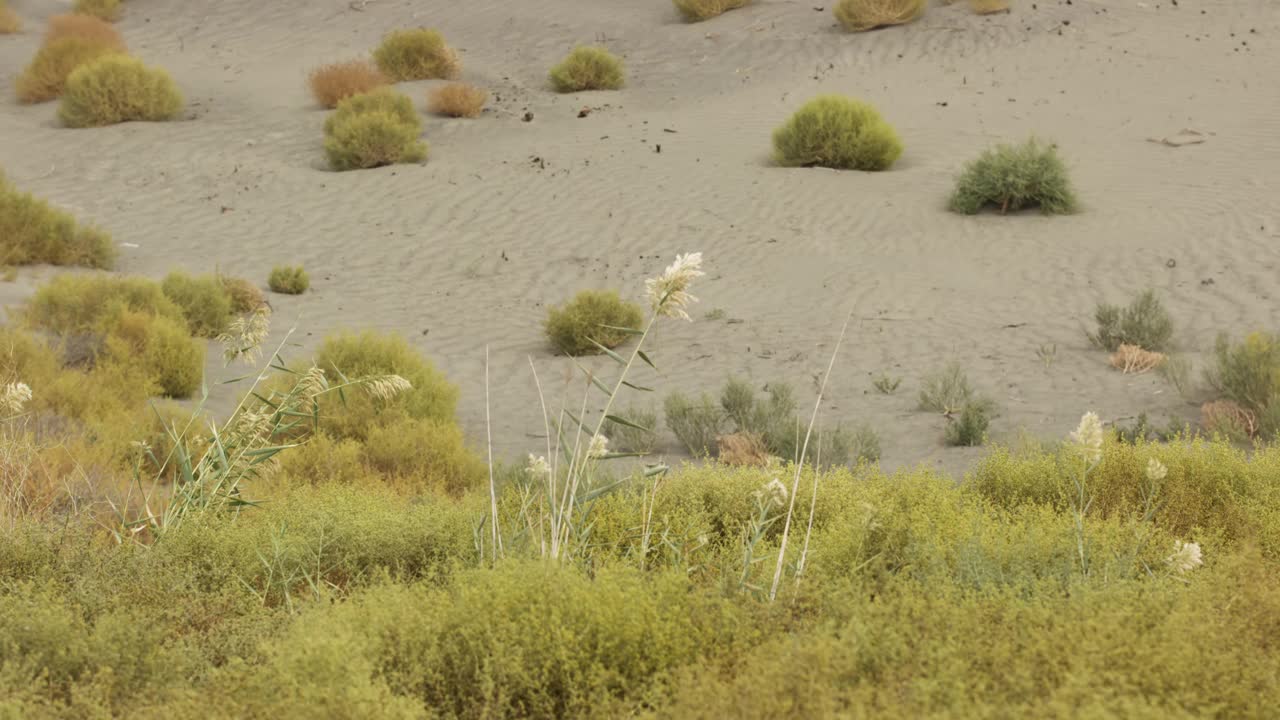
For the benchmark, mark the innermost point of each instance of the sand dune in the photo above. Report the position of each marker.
(507, 216)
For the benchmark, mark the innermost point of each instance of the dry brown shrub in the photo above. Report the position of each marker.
(1227, 418)
(742, 449)
(90, 28)
(458, 100)
(46, 76)
(334, 83)
(245, 296)
(1133, 359)
(989, 7)
(862, 15)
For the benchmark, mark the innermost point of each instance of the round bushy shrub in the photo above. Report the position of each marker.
(833, 131)
(245, 296)
(205, 302)
(162, 347)
(588, 68)
(86, 27)
(46, 76)
(862, 15)
(458, 100)
(418, 54)
(109, 10)
(356, 356)
(383, 99)
(695, 10)
(116, 89)
(431, 454)
(288, 280)
(31, 231)
(592, 315)
(371, 140)
(334, 83)
(1011, 177)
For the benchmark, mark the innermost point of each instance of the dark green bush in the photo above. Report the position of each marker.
(1013, 177)
(288, 280)
(418, 54)
(204, 301)
(1144, 323)
(592, 316)
(31, 231)
(588, 68)
(118, 88)
(834, 131)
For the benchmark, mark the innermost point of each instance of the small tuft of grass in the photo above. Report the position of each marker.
(588, 67)
(115, 89)
(45, 77)
(863, 15)
(592, 317)
(1144, 323)
(946, 391)
(1013, 177)
(458, 100)
(109, 10)
(32, 231)
(886, 385)
(698, 10)
(417, 54)
(834, 131)
(288, 280)
(331, 84)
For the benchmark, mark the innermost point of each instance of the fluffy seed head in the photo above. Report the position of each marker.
(1156, 470)
(14, 397)
(668, 293)
(1186, 556)
(1088, 437)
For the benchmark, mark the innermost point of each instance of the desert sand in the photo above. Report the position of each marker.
(508, 216)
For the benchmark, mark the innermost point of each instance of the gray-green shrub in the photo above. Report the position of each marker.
(1144, 322)
(1013, 177)
(695, 423)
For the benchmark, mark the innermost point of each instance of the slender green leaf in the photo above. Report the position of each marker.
(646, 359)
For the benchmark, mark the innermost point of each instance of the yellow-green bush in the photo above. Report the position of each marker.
(80, 303)
(834, 131)
(418, 54)
(592, 315)
(1012, 177)
(588, 67)
(863, 15)
(204, 302)
(46, 76)
(695, 10)
(424, 454)
(163, 348)
(374, 129)
(288, 280)
(116, 89)
(355, 414)
(109, 10)
(32, 231)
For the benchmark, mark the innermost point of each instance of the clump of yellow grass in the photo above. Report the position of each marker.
(458, 100)
(863, 15)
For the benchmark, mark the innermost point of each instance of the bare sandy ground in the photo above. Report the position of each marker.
(509, 216)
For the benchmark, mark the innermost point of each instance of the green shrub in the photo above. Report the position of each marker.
(162, 347)
(418, 54)
(46, 77)
(1144, 323)
(696, 423)
(592, 315)
(833, 131)
(947, 390)
(355, 414)
(1248, 374)
(430, 454)
(31, 231)
(372, 140)
(288, 280)
(116, 89)
(204, 301)
(588, 67)
(1012, 177)
(696, 10)
(383, 99)
(70, 304)
(863, 15)
(626, 438)
(970, 428)
(108, 10)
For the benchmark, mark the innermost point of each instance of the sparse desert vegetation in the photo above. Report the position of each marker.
(1143, 323)
(331, 84)
(457, 100)
(116, 89)
(32, 231)
(1013, 177)
(588, 67)
(1247, 376)
(863, 15)
(288, 280)
(839, 132)
(698, 10)
(417, 54)
(593, 318)
(374, 129)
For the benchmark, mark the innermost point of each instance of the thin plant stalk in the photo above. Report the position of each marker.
(795, 483)
(493, 490)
